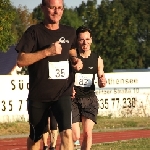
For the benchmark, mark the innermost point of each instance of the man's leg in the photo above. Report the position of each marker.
(45, 138)
(76, 135)
(75, 131)
(30, 143)
(87, 125)
(33, 145)
(66, 140)
(75, 105)
(89, 115)
(62, 111)
(38, 121)
(53, 136)
(52, 131)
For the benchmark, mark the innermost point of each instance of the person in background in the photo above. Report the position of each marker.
(77, 142)
(51, 130)
(85, 103)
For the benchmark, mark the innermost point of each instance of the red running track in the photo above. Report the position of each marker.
(98, 137)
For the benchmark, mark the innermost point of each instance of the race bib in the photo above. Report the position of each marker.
(83, 80)
(58, 70)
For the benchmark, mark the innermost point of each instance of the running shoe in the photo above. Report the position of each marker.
(45, 148)
(77, 142)
(52, 148)
(77, 145)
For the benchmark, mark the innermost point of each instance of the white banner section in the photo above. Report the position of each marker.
(126, 94)
(13, 97)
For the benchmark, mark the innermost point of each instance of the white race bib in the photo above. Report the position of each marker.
(83, 80)
(58, 70)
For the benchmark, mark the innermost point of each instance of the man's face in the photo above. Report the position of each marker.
(84, 41)
(53, 10)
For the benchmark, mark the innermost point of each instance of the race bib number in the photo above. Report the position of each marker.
(83, 80)
(59, 70)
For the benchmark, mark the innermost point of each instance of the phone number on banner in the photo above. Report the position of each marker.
(13, 106)
(116, 103)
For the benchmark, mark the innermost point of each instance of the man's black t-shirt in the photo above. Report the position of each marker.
(48, 78)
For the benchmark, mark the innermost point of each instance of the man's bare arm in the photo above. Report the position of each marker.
(101, 74)
(26, 59)
(76, 62)
(100, 67)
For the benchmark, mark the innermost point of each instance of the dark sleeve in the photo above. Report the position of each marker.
(27, 42)
(74, 43)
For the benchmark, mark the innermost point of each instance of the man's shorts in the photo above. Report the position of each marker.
(38, 116)
(87, 107)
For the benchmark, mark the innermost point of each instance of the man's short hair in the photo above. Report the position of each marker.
(83, 29)
(44, 2)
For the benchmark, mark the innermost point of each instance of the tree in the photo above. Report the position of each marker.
(37, 14)
(89, 13)
(71, 18)
(143, 34)
(122, 35)
(115, 38)
(22, 21)
(7, 16)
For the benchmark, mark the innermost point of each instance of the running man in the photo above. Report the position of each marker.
(85, 103)
(46, 48)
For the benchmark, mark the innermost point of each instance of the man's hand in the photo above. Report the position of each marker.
(73, 93)
(54, 49)
(102, 81)
(76, 63)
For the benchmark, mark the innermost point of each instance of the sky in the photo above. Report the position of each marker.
(31, 4)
